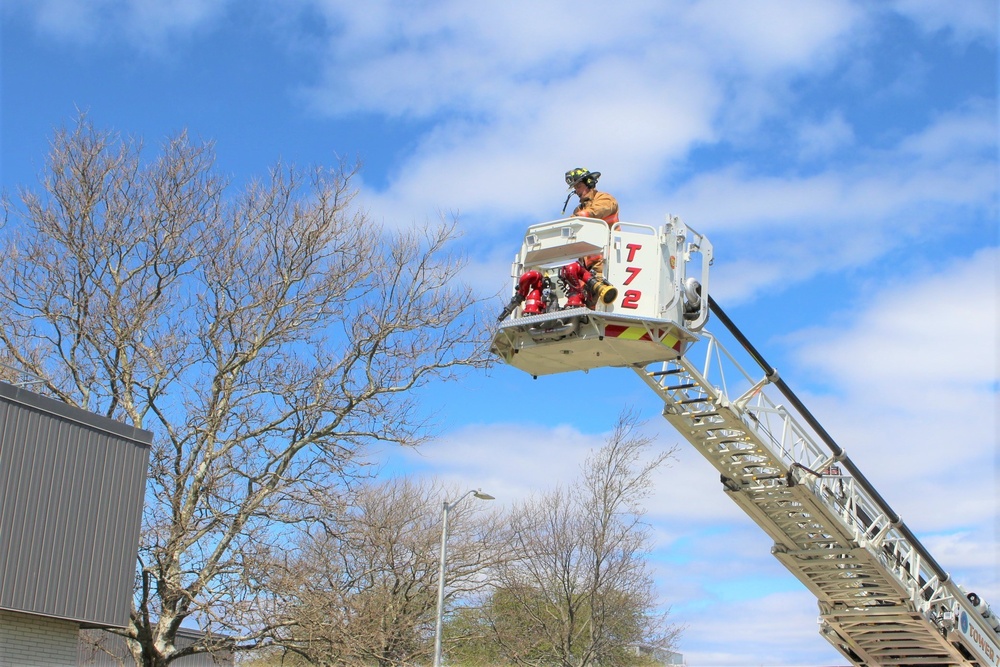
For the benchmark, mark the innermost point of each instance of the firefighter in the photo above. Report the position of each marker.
(593, 204)
(584, 279)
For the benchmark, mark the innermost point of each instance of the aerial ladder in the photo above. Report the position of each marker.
(883, 599)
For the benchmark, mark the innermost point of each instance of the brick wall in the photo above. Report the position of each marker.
(36, 641)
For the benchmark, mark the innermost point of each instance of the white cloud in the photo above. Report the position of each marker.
(391, 58)
(155, 21)
(513, 169)
(62, 19)
(775, 228)
(778, 629)
(509, 460)
(825, 136)
(143, 24)
(387, 57)
(509, 112)
(962, 134)
(964, 21)
(527, 91)
(970, 551)
(936, 330)
(914, 378)
(768, 36)
(950, 162)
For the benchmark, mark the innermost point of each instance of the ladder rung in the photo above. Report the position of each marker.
(703, 399)
(672, 371)
(680, 386)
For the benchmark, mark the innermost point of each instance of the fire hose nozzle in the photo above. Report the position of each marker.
(511, 306)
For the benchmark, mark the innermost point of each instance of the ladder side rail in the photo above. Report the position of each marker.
(822, 433)
(873, 526)
(788, 458)
(680, 382)
(788, 439)
(938, 600)
(933, 594)
(763, 409)
(876, 532)
(757, 402)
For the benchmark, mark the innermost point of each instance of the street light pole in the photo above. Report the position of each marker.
(444, 551)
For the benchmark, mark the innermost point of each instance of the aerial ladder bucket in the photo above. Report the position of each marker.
(661, 277)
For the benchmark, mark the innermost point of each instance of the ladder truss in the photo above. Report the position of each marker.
(881, 601)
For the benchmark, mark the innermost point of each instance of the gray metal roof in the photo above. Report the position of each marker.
(71, 495)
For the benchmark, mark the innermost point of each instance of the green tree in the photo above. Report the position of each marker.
(575, 590)
(266, 336)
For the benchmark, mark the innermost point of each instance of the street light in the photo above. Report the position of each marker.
(444, 550)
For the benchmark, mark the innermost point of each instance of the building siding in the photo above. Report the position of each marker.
(71, 488)
(37, 641)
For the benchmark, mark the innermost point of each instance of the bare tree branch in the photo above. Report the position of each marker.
(576, 591)
(266, 337)
(364, 590)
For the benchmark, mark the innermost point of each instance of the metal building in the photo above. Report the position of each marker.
(71, 497)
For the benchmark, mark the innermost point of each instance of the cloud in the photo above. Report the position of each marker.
(771, 36)
(974, 20)
(949, 162)
(774, 227)
(157, 20)
(914, 379)
(64, 19)
(389, 58)
(825, 137)
(516, 96)
(512, 171)
(144, 24)
(965, 133)
(507, 112)
(511, 461)
(914, 385)
(778, 629)
(911, 320)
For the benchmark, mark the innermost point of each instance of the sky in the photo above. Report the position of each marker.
(841, 156)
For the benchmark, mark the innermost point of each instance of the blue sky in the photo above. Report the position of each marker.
(841, 156)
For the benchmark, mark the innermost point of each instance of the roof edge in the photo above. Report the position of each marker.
(30, 399)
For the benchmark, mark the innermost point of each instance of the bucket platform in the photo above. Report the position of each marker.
(656, 315)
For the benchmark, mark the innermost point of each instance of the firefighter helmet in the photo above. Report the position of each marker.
(589, 178)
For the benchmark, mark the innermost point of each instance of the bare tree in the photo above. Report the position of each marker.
(576, 590)
(362, 588)
(265, 337)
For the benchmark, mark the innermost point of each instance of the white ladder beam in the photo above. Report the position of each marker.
(880, 604)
